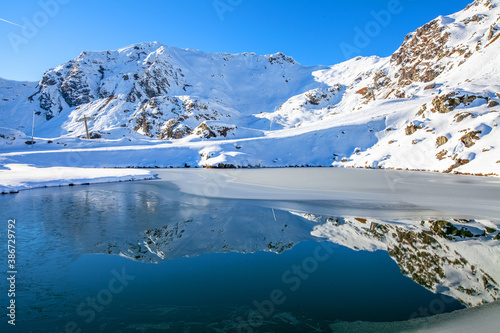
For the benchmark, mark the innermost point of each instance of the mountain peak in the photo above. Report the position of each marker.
(489, 4)
(446, 42)
(433, 98)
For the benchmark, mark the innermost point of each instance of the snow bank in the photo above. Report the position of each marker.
(22, 176)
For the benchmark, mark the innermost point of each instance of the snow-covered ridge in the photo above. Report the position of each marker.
(432, 105)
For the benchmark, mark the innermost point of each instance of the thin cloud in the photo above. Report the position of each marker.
(1, 19)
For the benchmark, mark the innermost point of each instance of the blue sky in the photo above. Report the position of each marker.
(314, 32)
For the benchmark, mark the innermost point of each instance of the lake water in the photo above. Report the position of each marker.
(247, 251)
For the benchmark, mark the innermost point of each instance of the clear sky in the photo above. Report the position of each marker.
(314, 32)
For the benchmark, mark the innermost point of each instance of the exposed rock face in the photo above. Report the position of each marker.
(441, 140)
(459, 162)
(171, 117)
(468, 138)
(157, 79)
(416, 57)
(315, 96)
(430, 86)
(213, 130)
(442, 154)
(410, 129)
(380, 79)
(281, 59)
(448, 102)
(9, 137)
(492, 103)
(75, 89)
(461, 116)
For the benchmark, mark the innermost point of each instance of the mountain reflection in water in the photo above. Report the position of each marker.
(235, 264)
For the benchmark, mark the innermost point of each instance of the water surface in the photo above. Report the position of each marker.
(150, 256)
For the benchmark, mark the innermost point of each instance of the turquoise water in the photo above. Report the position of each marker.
(140, 257)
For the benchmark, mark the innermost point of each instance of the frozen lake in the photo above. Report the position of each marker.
(380, 192)
(282, 250)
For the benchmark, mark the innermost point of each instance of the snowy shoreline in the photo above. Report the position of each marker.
(15, 177)
(19, 177)
(424, 109)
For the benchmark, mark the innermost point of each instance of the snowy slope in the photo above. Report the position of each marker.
(432, 105)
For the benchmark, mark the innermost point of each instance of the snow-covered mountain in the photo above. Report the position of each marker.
(432, 105)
